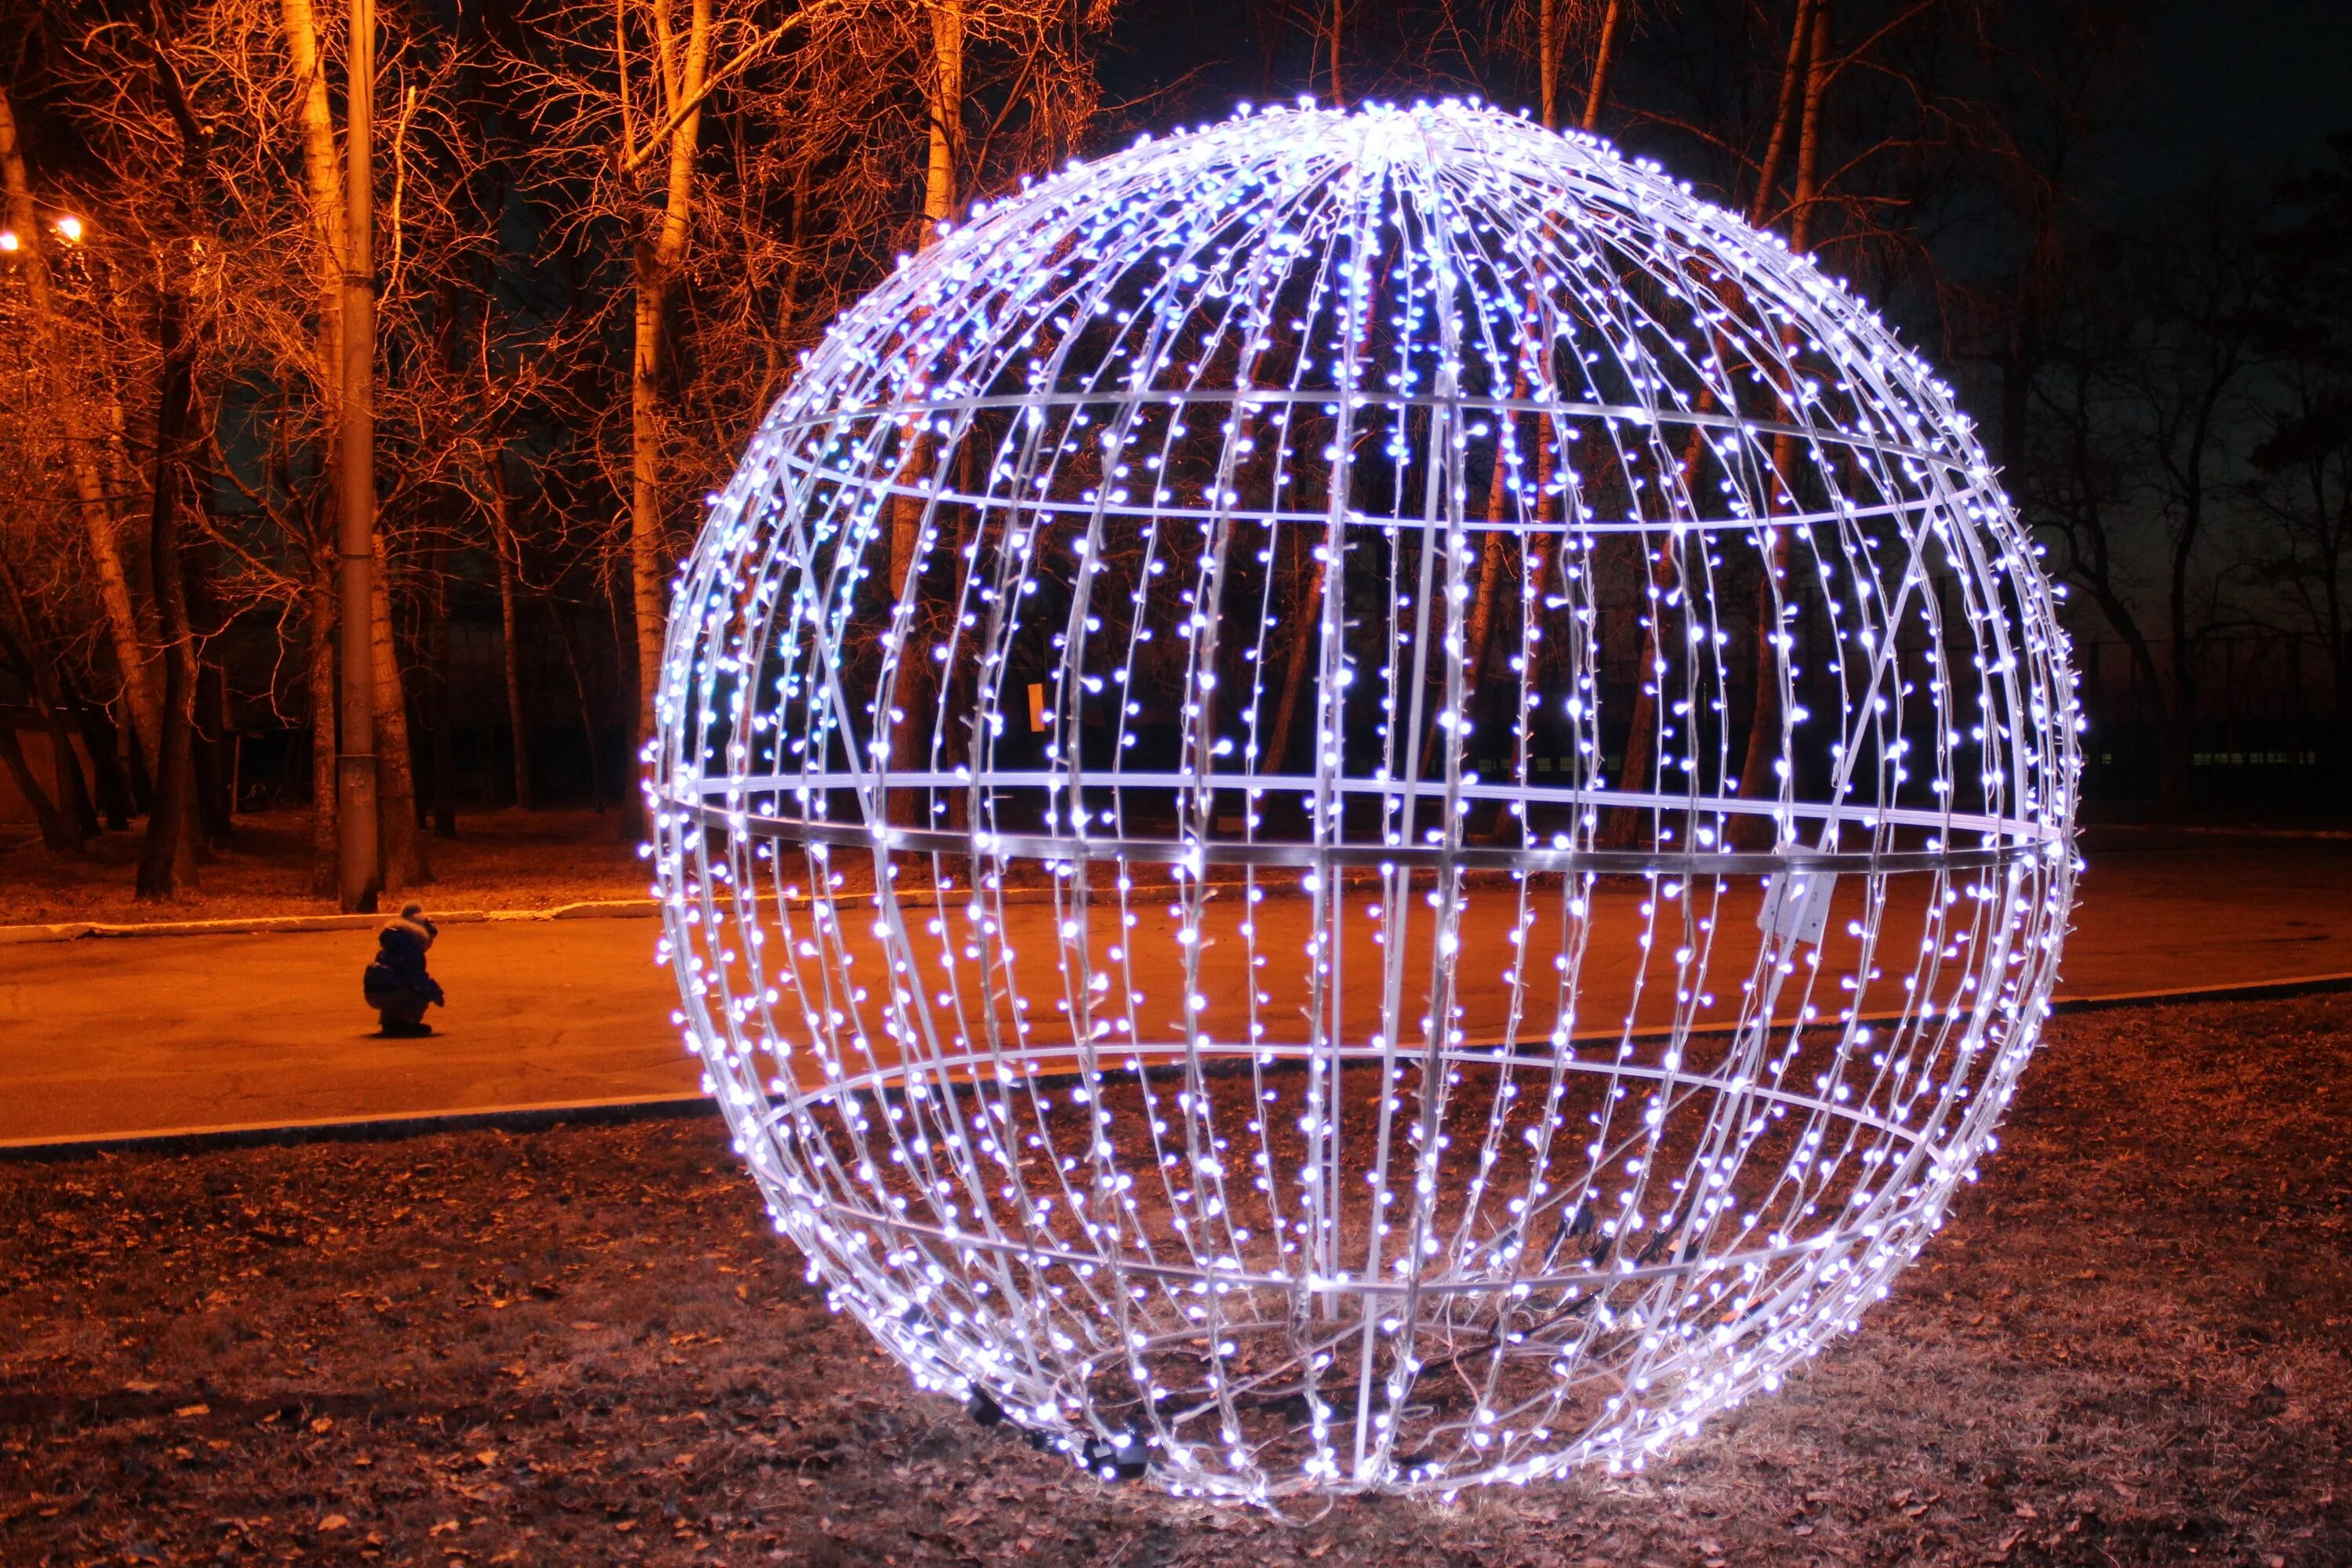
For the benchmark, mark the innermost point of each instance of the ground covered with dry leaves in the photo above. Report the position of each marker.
(2133, 1343)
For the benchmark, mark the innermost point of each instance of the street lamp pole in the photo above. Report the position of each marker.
(360, 873)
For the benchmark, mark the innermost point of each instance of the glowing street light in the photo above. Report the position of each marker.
(69, 229)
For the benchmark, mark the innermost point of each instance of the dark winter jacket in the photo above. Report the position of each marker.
(400, 961)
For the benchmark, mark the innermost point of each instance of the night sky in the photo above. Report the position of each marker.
(2250, 88)
(2254, 86)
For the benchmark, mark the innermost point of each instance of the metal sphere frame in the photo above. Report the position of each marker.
(1361, 803)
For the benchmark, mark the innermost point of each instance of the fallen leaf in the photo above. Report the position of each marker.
(333, 1521)
(321, 1423)
(446, 1527)
(187, 1410)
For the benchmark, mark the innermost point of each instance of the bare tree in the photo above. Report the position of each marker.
(77, 429)
(630, 108)
(272, 352)
(2134, 447)
(2303, 462)
(163, 866)
(763, 169)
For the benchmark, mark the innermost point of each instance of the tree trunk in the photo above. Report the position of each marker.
(657, 259)
(1768, 736)
(404, 862)
(1784, 116)
(101, 738)
(163, 872)
(215, 766)
(329, 223)
(1548, 43)
(913, 693)
(445, 762)
(1337, 25)
(79, 439)
(518, 711)
(325, 859)
(502, 547)
(1604, 55)
(475, 312)
(587, 710)
(71, 782)
(909, 712)
(940, 173)
(647, 553)
(55, 835)
(213, 745)
(1302, 650)
(1622, 827)
(1537, 557)
(1661, 572)
(1542, 562)
(143, 774)
(1495, 551)
(1494, 548)
(68, 822)
(167, 859)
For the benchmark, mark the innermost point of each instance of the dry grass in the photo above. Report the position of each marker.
(499, 859)
(583, 1345)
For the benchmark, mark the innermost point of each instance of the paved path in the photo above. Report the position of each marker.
(108, 1036)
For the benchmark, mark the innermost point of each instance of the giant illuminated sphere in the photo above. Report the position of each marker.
(1361, 803)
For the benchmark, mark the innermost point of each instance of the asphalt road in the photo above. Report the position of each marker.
(100, 1038)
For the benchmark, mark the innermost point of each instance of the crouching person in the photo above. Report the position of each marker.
(395, 984)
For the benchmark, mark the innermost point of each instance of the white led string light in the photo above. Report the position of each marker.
(1281, 613)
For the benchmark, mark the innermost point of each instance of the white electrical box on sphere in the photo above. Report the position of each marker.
(1362, 803)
